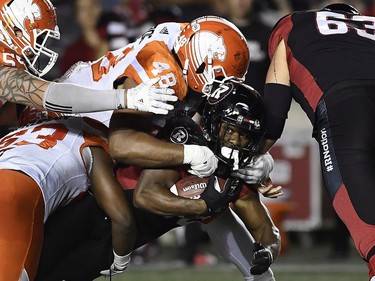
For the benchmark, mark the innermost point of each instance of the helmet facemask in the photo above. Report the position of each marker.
(40, 53)
(248, 137)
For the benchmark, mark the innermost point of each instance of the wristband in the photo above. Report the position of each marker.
(189, 151)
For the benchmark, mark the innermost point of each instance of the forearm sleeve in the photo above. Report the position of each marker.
(277, 98)
(71, 98)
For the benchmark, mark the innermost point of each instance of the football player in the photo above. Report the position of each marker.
(25, 28)
(44, 166)
(176, 55)
(190, 58)
(235, 129)
(324, 60)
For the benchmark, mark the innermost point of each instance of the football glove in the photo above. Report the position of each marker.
(202, 160)
(263, 259)
(217, 200)
(150, 98)
(258, 169)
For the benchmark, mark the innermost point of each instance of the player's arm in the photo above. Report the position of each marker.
(18, 86)
(153, 194)
(130, 143)
(258, 221)
(110, 197)
(277, 96)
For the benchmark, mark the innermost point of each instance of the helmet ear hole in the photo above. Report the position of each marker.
(17, 32)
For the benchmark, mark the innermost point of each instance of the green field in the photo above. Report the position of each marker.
(298, 264)
(215, 274)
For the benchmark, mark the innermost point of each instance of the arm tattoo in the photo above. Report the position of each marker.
(18, 86)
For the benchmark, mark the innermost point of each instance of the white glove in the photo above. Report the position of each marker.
(258, 170)
(120, 263)
(150, 98)
(202, 160)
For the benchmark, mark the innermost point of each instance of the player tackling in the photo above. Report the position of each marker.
(25, 28)
(158, 210)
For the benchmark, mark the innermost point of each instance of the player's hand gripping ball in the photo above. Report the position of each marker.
(213, 190)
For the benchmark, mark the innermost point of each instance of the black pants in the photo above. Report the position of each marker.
(77, 243)
(345, 120)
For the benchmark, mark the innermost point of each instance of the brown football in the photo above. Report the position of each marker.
(192, 186)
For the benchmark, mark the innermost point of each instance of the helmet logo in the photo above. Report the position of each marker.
(220, 93)
(217, 48)
(179, 135)
(36, 12)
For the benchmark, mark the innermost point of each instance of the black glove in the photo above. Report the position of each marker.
(217, 201)
(263, 259)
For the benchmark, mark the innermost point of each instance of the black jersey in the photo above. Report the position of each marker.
(325, 48)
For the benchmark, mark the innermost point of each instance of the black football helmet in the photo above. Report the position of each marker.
(342, 7)
(241, 107)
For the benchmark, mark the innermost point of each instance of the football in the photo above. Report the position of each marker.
(192, 186)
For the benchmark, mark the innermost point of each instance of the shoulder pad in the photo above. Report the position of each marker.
(182, 130)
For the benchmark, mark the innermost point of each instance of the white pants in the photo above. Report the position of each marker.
(235, 243)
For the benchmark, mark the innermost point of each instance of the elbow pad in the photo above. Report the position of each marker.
(277, 98)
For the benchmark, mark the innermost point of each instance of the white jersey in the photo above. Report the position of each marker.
(148, 57)
(50, 153)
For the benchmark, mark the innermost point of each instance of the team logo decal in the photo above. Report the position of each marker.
(219, 93)
(179, 135)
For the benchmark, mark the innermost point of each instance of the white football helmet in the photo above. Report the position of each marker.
(25, 26)
(211, 49)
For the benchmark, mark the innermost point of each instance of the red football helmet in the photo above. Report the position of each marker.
(24, 29)
(211, 49)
